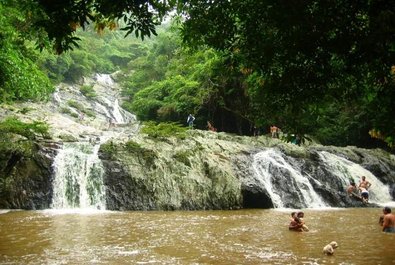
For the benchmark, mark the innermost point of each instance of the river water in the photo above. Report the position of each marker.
(192, 237)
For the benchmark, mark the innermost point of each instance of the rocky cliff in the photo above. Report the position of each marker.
(210, 170)
(204, 170)
(26, 175)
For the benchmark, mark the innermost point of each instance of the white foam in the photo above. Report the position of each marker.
(82, 211)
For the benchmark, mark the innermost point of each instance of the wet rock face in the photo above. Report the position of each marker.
(161, 176)
(177, 176)
(221, 174)
(124, 192)
(206, 170)
(255, 197)
(26, 178)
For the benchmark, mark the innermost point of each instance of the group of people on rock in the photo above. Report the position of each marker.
(360, 193)
(274, 130)
(386, 220)
(191, 119)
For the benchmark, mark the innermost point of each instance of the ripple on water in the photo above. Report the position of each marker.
(212, 237)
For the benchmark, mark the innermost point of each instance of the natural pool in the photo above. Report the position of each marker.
(192, 237)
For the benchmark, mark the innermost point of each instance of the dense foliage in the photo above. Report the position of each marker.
(20, 77)
(157, 88)
(307, 60)
(168, 82)
(321, 68)
(61, 19)
(164, 130)
(104, 53)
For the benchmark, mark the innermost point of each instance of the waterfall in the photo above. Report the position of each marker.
(104, 79)
(78, 177)
(109, 107)
(346, 171)
(280, 177)
(117, 113)
(56, 96)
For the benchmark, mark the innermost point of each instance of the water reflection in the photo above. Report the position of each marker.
(204, 237)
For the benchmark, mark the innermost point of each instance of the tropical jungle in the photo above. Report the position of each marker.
(192, 131)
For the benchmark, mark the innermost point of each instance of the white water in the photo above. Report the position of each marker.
(78, 181)
(56, 96)
(112, 103)
(346, 171)
(111, 109)
(74, 186)
(117, 113)
(270, 167)
(104, 79)
(269, 164)
(78, 171)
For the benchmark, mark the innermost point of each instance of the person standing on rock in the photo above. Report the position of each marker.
(364, 183)
(81, 116)
(210, 127)
(190, 120)
(274, 131)
(364, 194)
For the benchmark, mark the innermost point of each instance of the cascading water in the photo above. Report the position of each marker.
(291, 187)
(117, 113)
(78, 171)
(347, 171)
(78, 181)
(108, 103)
(104, 79)
(277, 175)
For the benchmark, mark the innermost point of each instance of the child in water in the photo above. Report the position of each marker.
(304, 226)
(297, 223)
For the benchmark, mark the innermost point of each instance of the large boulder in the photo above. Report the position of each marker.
(26, 175)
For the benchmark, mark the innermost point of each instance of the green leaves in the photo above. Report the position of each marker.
(88, 91)
(164, 130)
(303, 55)
(169, 82)
(28, 130)
(21, 79)
(60, 19)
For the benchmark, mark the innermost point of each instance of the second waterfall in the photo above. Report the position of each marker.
(78, 177)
